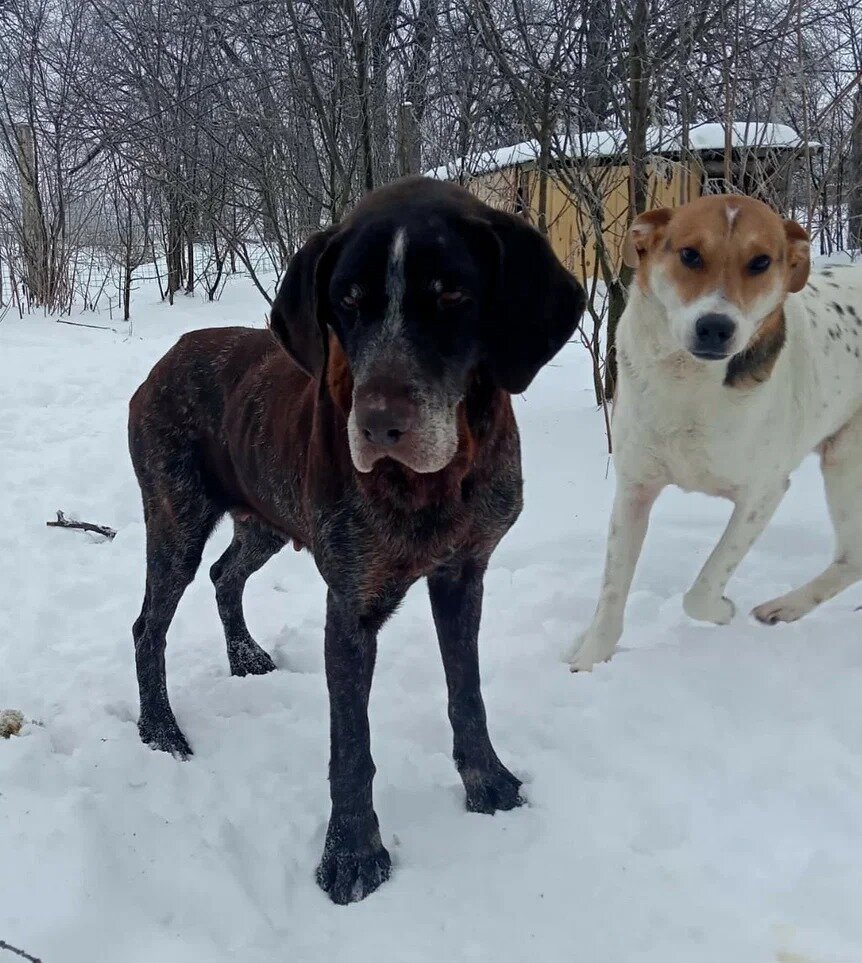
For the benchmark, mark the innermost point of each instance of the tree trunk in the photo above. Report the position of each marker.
(366, 134)
(409, 147)
(597, 91)
(190, 264)
(616, 306)
(416, 89)
(546, 123)
(32, 229)
(127, 290)
(174, 250)
(854, 176)
(639, 86)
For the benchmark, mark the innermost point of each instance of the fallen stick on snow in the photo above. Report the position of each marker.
(14, 949)
(63, 522)
(80, 324)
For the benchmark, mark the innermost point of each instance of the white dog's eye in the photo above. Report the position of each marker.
(690, 258)
(759, 264)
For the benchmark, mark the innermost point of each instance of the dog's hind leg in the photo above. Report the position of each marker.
(176, 535)
(252, 546)
(841, 462)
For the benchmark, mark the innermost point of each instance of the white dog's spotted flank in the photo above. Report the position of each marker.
(733, 366)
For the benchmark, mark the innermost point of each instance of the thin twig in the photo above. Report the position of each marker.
(14, 949)
(80, 324)
(63, 522)
(585, 341)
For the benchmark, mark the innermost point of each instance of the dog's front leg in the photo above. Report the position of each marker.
(629, 521)
(705, 600)
(354, 861)
(456, 602)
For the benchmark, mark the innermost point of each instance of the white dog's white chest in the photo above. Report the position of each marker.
(682, 433)
(698, 459)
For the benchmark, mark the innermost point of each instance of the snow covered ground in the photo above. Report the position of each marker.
(697, 800)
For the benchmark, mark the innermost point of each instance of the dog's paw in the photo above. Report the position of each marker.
(354, 862)
(162, 732)
(248, 658)
(589, 650)
(788, 608)
(491, 792)
(347, 876)
(708, 609)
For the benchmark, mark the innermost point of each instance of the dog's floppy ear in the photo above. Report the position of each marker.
(645, 231)
(534, 304)
(294, 318)
(798, 256)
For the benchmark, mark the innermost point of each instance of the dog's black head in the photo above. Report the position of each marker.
(422, 285)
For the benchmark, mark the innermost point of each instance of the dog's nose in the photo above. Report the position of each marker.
(712, 335)
(385, 412)
(384, 427)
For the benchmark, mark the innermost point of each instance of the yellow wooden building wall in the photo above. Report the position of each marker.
(570, 228)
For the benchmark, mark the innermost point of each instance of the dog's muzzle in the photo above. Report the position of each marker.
(390, 420)
(713, 337)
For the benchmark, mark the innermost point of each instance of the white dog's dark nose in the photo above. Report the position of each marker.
(712, 335)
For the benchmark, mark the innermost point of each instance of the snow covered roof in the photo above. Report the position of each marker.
(611, 143)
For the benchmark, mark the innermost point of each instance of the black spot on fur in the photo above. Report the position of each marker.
(837, 306)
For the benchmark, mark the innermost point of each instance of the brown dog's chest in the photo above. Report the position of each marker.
(375, 549)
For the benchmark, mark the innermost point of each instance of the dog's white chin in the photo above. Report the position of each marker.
(365, 457)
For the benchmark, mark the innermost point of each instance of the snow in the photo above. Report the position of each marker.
(612, 143)
(696, 800)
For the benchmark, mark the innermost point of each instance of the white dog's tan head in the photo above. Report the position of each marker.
(721, 268)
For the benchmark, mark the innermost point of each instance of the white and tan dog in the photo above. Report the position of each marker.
(731, 369)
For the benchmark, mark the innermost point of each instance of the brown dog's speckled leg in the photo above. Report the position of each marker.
(175, 540)
(252, 547)
(355, 861)
(456, 602)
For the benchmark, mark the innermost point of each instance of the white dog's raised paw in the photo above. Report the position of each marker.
(588, 651)
(708, 609)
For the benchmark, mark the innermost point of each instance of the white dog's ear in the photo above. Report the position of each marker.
(798, 256)
(645, 231)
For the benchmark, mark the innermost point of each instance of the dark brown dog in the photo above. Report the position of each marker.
(373, 426)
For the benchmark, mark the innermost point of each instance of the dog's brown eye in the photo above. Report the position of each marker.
(449, 298)
(351, 299)
(759, 264)
(690, 258)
